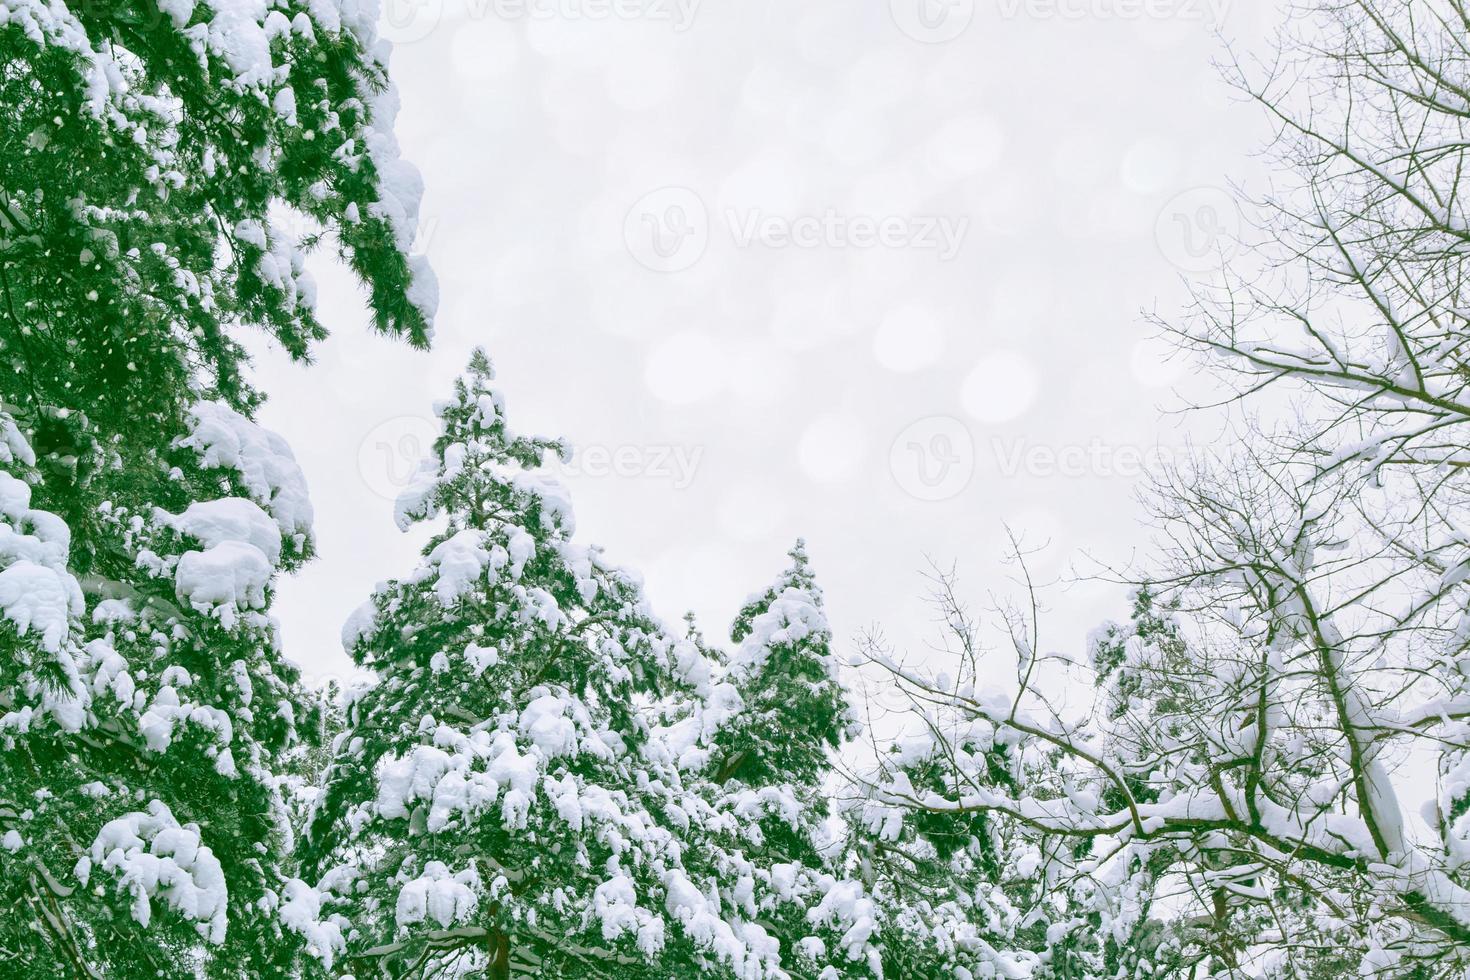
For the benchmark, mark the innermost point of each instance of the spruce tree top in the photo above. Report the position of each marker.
(794, 707)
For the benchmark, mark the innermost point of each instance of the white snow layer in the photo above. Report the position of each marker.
(38, 594)
(154, 857)
(230, 576)
(438, 896)
(214, 522)
(226, 439)
(301, 912)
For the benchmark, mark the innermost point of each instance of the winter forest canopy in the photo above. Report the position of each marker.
(546, 778)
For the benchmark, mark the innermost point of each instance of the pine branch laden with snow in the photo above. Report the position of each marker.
(164, 694)
(1243, 796)
(498, 800)
(41, 602)
(157, 166)
(181, 128)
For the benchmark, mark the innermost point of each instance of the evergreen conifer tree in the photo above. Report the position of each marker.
(149, 155)
(793, 708)
(756, 740)
(500, 801)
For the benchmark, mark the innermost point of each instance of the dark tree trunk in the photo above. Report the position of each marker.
(499, 955)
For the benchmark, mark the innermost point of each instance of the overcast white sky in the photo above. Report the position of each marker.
(864, 272)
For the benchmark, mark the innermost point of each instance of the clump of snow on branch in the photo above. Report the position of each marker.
(153, 857)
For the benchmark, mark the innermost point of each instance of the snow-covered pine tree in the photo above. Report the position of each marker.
(869, 890)
(500, 802)
(755, 743)
(793, 710)
(752, 816)
(148, 154)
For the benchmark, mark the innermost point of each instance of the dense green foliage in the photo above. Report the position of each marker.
(145, 707)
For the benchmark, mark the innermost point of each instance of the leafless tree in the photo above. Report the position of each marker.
(1297, 671)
